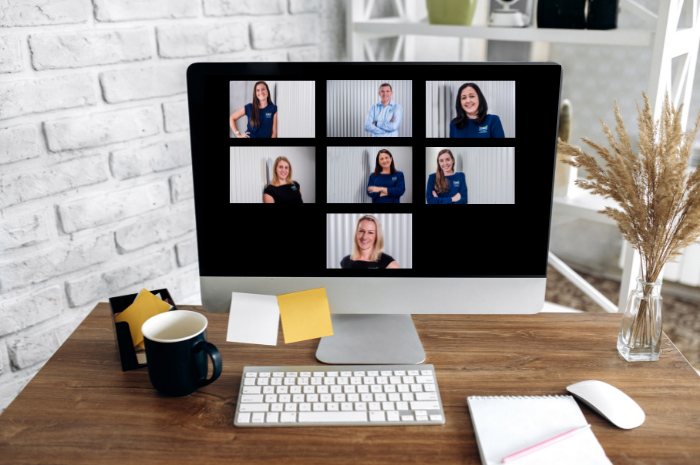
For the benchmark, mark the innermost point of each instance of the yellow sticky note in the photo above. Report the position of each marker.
(145, 306)
(305, 315)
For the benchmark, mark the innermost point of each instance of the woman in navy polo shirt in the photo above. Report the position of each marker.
(262, 115)
(473, 120)
(386, 184)
(446, 186)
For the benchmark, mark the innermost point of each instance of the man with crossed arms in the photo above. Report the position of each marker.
(384, 117)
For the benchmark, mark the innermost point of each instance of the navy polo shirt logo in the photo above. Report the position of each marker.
(455, 183)
(483, 129)
(394, 178)
(268, 115)
(294, 188)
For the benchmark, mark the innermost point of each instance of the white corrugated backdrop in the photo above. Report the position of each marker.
(295, 100)
(398, 236)
(349, 169)
(441, 97)
(348, 103)
(251, 171)
(490, 172)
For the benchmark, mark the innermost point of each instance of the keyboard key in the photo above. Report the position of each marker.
(387, 406)
(251, 375)
(385, 373)
(252, 390)
(277, 407)
(346, 373)
(272, 417)
(332, 417)
(305, 407)
(429, 387)
(268, 389)
(372, 373)
(346, 406)
(321, 389)
(333, 374)
(253, 407)
(407, 418)
(292, 374)
(332, 406)
(251, 398)
(265, 374)
(244, 418)
(421, 417)
(402, 406)
(399, 373)
(318, 407)
(290, 407)
(289, 381)
(292, 389)
(285, 397)
(407, 396)
(249, 382)
(258, 417)
(263, 381)
(377, 416)
(269, 398)
(426, 372)
(435, 417)
(375, 406)
(392, 416)
(425, 405)
(425, 379)
(288, 417)
(426, 396)
(305, 374)
(413, 373)
(278, 374)
(282, 389)
(360, 406)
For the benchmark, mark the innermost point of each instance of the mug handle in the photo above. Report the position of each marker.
(215, 360)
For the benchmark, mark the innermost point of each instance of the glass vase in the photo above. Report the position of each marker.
(640, 333)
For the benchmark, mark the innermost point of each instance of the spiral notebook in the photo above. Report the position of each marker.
(505, 425)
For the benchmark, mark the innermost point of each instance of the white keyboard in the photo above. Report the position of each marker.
(339, 396)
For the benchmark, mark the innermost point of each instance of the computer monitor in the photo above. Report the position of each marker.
(295, 192)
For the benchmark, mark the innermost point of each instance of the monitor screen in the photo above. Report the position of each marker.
(411, 180)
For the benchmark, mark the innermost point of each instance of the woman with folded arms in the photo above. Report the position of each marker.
(473, 120)
(262, 115)
(368, 247)
(446, 186)
(386, 184)
(282, 189)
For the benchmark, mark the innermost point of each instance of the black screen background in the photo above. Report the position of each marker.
(290, 240)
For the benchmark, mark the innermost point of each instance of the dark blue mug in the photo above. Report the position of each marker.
(176, 352)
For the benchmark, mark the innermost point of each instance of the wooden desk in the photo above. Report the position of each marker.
(81, 408)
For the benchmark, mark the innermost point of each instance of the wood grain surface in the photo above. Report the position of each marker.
(82, 409)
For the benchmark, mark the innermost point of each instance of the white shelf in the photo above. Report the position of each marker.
(390, 27)
(582, 204)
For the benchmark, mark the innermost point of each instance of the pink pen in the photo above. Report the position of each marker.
(543, 444)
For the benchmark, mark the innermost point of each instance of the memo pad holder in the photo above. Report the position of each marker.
(361, 339)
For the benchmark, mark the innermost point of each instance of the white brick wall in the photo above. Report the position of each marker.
(95, 178)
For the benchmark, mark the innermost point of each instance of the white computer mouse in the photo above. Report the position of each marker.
(611, 403)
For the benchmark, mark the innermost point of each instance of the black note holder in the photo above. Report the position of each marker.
(122, 334)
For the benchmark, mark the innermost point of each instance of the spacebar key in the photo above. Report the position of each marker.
(332, 417)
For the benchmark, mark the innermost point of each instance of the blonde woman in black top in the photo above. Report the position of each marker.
(282, 189)
(368, 247)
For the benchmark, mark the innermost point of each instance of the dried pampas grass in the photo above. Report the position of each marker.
(657, 194)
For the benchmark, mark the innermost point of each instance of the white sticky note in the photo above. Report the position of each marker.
(254, 319)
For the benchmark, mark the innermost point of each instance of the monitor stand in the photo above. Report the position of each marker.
(360, 339)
